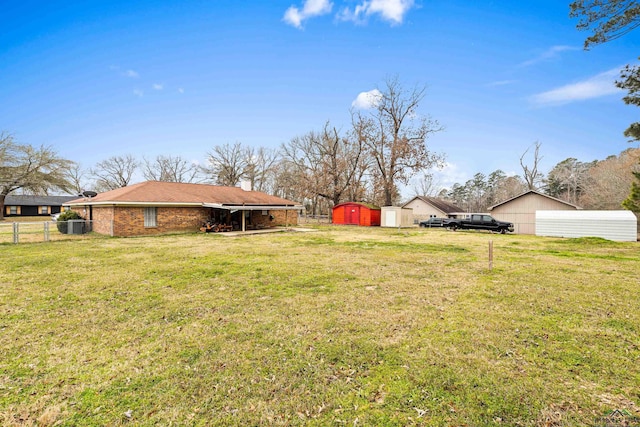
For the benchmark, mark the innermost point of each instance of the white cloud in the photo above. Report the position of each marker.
(180, 90)
(501, 83)
(551, 53)
(389, 10)
(158, 86)
(138, 92)
(593, 87)
(366, 100)
(449, 175)
(295, 16)
(126, 73)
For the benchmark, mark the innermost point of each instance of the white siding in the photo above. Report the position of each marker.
(611, 225)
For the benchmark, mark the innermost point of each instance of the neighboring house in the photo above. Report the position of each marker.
(155, 207)
(521, 210)
(356, 213)
(22, 205)
(431, 207)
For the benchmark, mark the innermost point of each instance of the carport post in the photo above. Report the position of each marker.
(243, 220)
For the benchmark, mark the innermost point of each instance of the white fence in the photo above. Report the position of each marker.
(36, 231)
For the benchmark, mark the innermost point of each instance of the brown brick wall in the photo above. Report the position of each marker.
(102, 217)
(129, 221)
(283, 218)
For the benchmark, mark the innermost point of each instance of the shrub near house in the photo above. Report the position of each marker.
(62, 223)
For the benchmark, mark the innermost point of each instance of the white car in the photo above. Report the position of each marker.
(54, 217)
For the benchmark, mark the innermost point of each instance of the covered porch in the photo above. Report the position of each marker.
(228, 217)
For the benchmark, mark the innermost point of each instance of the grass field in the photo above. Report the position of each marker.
(341, 326)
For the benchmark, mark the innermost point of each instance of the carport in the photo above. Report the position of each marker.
(250, 209)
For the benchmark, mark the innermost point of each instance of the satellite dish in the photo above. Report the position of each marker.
(89, 193)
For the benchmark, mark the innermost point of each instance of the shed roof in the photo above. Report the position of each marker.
(441, 205)
(617, 215)
(366, 205)
(177, 193)
(533, 192)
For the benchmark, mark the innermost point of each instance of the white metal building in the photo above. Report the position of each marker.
(611, 225)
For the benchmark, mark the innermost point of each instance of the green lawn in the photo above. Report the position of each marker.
(342, 326)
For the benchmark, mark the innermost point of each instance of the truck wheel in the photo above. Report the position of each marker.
(503, 231)
(453, 227)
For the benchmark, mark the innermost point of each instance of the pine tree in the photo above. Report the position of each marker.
(632, 202)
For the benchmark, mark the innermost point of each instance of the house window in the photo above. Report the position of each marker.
(13, 210)
(44, 210)
(150, 217)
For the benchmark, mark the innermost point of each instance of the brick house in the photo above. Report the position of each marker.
(155, 207)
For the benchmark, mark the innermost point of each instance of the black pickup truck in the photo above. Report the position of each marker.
(479, 222)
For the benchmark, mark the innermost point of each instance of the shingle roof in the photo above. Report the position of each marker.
(151, 192)
(442, 205)
(28, 200)
(533, 192)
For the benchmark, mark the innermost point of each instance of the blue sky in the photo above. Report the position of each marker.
(95, 79)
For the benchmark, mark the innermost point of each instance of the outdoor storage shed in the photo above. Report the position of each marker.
(612, 225)
(354, 213)
(394, 216)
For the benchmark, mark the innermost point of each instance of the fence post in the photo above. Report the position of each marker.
(16, 232)
(46, 231)
(490, 254)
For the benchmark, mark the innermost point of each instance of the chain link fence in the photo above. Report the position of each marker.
(39, 231)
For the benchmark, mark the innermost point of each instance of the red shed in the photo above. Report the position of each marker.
(354, 213)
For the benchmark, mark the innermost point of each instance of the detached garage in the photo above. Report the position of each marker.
(354, 213)
(612, 225)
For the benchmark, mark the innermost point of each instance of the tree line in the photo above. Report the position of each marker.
(599, 184)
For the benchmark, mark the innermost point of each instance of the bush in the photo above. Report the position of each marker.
(62, 224)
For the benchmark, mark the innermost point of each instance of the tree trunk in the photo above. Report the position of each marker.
(2, 196)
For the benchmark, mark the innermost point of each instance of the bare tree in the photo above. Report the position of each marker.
(532, 177)
(227, 163)
(395, 136)
(608, 181)
(34, 170)
(170, 169)
(114, 172)
(76, 177)
(509, 187)
(426, 185)
(325, 162)
(261, 168)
